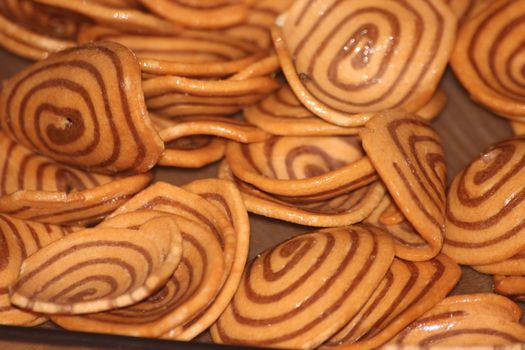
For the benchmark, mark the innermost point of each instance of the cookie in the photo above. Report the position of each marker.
(83, 107)
(408, 290)
(27, 43)
(261, 17)
(210, 14)
(175, 95)
(36, 188)
(302, 167)
(190, 53)
(486, 58)
(463, 320)
(192, 287)
(344, 209)
(518, 128)
(169, 198)
(465, 9)
(346, 60)
(513, 266)
(18, 240)
(99, 269)
(128, 19)
(484, 203)
(408, 156)
(298, 293)
(510, 286)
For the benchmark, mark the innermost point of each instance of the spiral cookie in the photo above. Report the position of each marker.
(344, 209)
(192, 287)
(346, 59)
(211, 14)
(28, 44)
(408, 155)
(477, 319)
(484, 205)
(99, 269)
(302, 167)
(510, 286)
(303, 290)
(83, 107)
(487, 57)
(128, 19)
(33, 187)
(19, 239)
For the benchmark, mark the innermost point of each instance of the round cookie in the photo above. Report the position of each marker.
(99, 269)
(83, 107)
(302, 167)
(484, 205)
(347, 59)
(487, 58)
(303, 290)
(408, 156)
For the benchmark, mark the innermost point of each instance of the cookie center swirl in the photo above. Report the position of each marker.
(63, 125)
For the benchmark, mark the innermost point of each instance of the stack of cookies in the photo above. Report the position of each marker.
(341, 141)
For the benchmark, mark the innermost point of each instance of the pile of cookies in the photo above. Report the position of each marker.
(341, 141)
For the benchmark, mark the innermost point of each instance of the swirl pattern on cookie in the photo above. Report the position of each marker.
(475, 319)
(99, 269)
(408, 290)
(302, 167)
(408, 156)
(18, 240)
(84, 107)
(487, 57)
(192, 287)
(465, 9)
(311, 283)
(36, 188)
(345, 59)
(484, 203)
(513, 266)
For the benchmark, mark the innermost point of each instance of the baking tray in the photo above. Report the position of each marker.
(465, 128)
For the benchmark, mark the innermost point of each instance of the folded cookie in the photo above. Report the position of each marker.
(347, 59)
(36, 188)
(484, 205)
(408, 156)
(20, 239)
(83, 107)
(463, 320)
(300, 292)
(98, 269)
